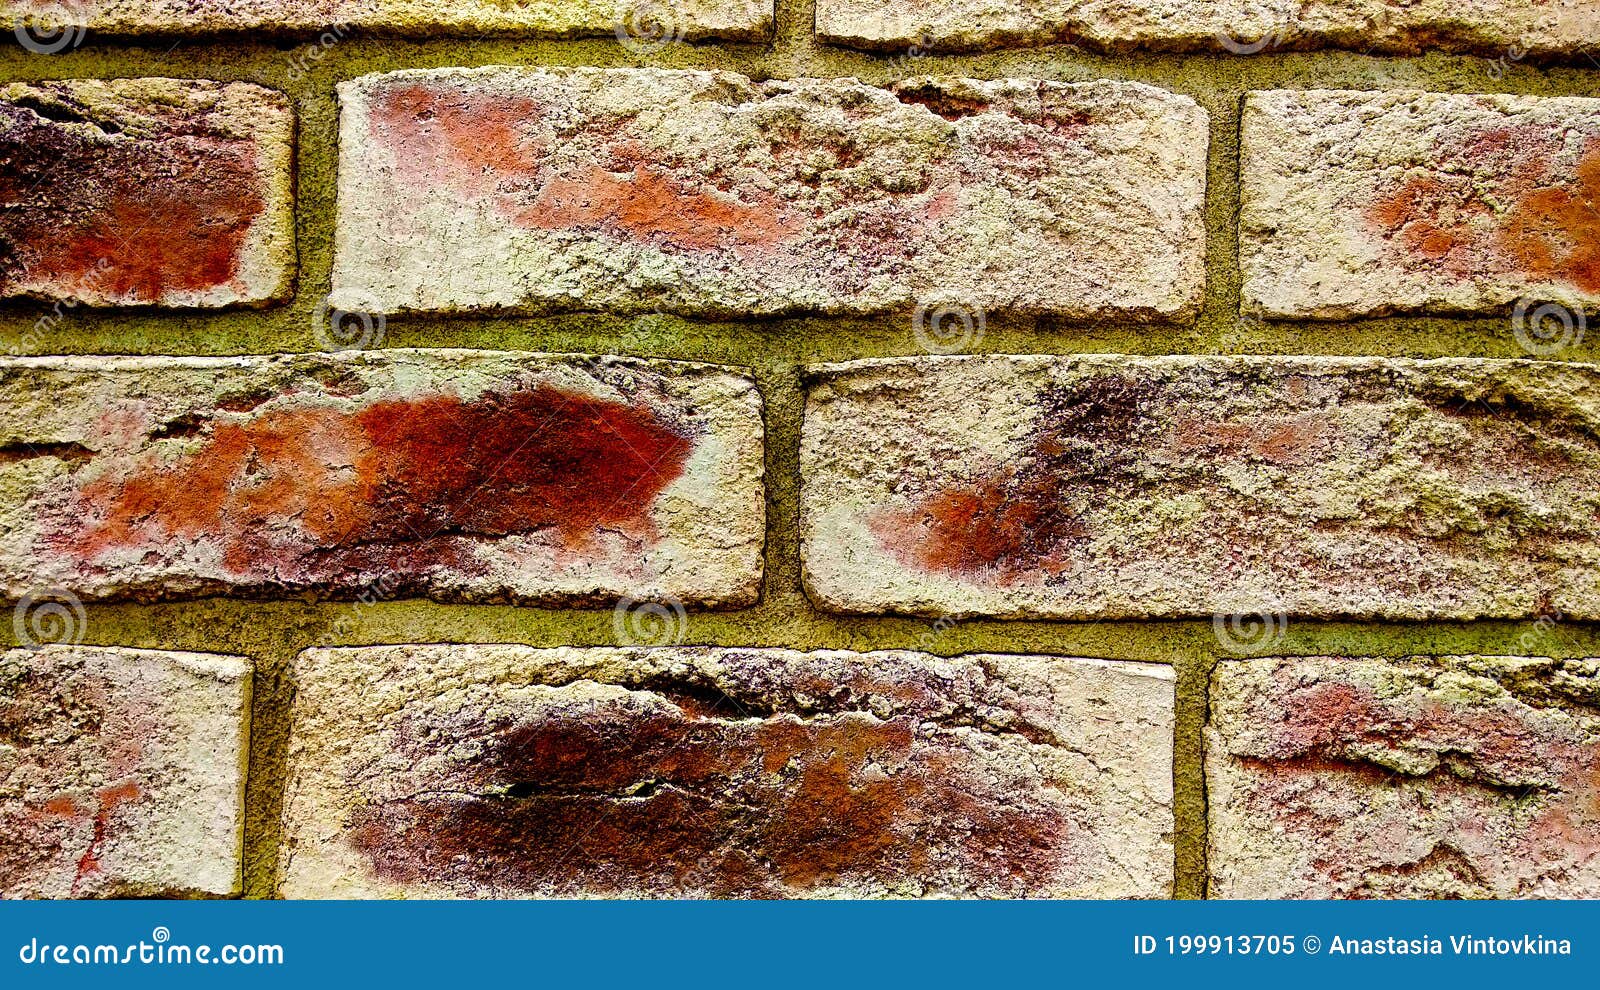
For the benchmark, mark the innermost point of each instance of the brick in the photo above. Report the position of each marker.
(134, 192)
(507, 771)
(1131, 487)
(646, 20)
(457, 475)
(704, 193)
(1360, 204)
(1425, 777)
(1239, 26)
(121, 772)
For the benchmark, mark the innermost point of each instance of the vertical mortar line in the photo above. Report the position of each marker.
(1192, 809)
(1219, 317)
(778, 377)
(316, 171)
(794, 44)
(264, 785)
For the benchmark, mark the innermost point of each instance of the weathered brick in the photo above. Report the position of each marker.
(650, 21)
(1358, 203)
(1110, 486)
(121, 772)
(146, 192)
(705, 193)
(459, 475)
(1241, 26)
(444, 771)
(1422, 777)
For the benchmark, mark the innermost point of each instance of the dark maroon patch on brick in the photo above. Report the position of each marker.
(637, 795)
(93, 209)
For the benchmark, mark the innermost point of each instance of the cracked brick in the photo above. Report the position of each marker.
(501, 771)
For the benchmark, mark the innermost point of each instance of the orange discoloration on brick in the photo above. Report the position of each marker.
(1005, 525)
(473, 140)
(653, 205)
(1291, 440)
(107, 800)
(1554, 231)
(1023, 522)
(286, 492)
(1492, 201)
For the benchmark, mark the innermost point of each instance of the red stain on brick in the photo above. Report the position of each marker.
(472, 140)
(625, 795)
(1288, 440)
(107, 801)
(1021, 521)
(483, 144)
(1012, 524)
(135, 218)
(1493, 201)
(299, 493)
(653, 205)
(1489, 760)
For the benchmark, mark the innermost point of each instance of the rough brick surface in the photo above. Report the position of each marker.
(121, 772)
(705, 193)
(1451, 777)
(460, 475)
(1242, 26)
(509, 771)
(146, 192)
(1192, 486)
(1360, 203)
(647, 20)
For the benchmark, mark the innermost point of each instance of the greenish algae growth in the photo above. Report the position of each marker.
(273, 632)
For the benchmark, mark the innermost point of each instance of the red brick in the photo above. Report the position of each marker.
(460, 475)
(506, 771)
(705, 193)
(1423, 777)
(122, 772)
(146, 192)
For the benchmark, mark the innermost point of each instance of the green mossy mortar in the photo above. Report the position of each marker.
(273, 632)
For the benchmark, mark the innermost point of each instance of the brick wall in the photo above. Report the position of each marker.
(1137, 448)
